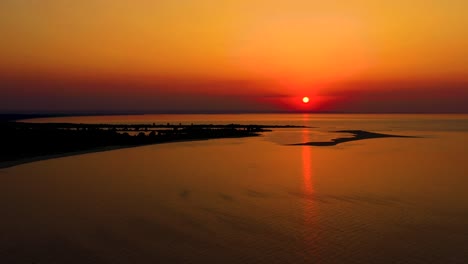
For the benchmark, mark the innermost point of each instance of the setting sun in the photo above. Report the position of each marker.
(305, 100)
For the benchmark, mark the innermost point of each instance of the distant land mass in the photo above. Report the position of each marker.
(26, 142)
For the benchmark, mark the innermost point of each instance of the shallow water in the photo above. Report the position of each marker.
(251, 200)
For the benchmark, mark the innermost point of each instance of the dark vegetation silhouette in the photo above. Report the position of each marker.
(27, 140)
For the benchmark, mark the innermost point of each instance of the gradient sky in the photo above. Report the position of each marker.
(233, 56)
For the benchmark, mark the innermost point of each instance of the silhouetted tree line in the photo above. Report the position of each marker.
(23, 140)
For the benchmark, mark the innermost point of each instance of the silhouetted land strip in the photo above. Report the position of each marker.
(146, 127)
(357, 135)
(26, 142)
(13, 117)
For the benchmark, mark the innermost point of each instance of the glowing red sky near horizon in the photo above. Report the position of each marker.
(233, 56)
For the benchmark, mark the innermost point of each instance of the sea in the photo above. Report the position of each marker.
(248, 200)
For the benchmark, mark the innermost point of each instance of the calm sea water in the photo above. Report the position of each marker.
(250, 200)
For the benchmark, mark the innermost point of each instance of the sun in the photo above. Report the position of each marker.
(305, 100)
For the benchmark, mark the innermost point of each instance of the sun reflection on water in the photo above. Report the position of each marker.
(310, 207)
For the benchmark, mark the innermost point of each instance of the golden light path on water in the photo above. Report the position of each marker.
(310, 209)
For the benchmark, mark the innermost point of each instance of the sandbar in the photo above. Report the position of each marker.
(356, 135)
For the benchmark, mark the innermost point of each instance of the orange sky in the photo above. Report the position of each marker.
(263, 55)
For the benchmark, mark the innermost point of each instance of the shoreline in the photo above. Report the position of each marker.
(30, 142)
(14, 163)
